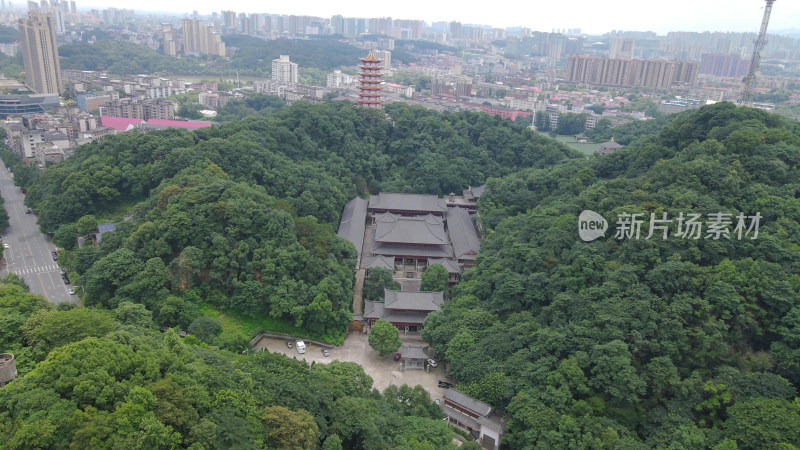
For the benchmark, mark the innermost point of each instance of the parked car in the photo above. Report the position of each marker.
(28, 211)
(63, 272)
(5, 245)
(23, 191)
(432, 363)
(325, 352)
(445, 384)
(66, 279)
(55, 256)
(290, 344)
(301, 347)
(397, 356)
(71, 291)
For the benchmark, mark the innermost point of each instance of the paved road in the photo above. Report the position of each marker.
(29, 253)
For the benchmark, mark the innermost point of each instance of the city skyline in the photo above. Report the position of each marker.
(590, 17)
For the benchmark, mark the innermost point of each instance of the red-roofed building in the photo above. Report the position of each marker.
(160, 123)
(123, 124)
(120, 124)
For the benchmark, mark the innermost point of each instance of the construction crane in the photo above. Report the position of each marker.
(749, 82)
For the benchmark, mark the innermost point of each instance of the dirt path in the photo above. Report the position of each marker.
(358, 290)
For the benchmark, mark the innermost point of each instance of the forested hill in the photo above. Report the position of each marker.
(633, 342)
(252, 56)
(243, 215)
(106, 380)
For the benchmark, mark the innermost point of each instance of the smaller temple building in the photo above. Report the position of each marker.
(406, 310)
(475, 417)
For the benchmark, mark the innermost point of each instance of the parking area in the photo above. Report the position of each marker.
(384, 372)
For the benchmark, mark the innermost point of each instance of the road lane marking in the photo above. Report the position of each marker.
(44, 289)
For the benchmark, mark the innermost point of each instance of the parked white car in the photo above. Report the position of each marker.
(301, 347)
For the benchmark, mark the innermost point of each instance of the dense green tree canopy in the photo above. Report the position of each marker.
(662, 342)
(108, 384)
(243, 214)
(375, 283)
(384, 338)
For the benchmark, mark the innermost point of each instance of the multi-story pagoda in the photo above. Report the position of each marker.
(369, 82)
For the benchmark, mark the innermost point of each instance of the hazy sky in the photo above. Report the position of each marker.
(592, 16)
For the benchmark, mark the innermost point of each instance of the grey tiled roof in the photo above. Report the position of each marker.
(413, 300)
(493, 423)
(422, 230)
(353, 223)
(405, 317)
(463, 233)
(373, 310)
(376, 310)
(461, 417)
(468, 402)
(430, 251)
(390, 201)
(474, 193)
(371, 262)
(610, 145)
(413, 352)
(450, 264)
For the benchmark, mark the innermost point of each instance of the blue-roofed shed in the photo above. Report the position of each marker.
(111, 226)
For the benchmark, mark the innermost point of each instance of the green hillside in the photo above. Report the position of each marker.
(622, 342)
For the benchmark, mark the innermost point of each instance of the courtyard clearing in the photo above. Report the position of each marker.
(384, 372)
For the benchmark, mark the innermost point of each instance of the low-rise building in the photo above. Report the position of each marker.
(475, 417)
(337, 79)
(607, 148)
(45, 152)
(15, 105)
(679, 105)
(93, 100)
(406, 310)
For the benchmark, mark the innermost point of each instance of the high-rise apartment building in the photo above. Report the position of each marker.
(168, 40)
(134, 109)
(244, 23)
(621, 48)
(199, 37)
(655, 74)
(723, 65)
(40, 53)
(284, 71)
(229, 19)
(386, 58)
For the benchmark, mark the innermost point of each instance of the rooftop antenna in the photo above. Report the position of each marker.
(746, 98)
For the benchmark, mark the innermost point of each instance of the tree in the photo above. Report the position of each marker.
(205, 329)
(764, 423)
(435, 278)
(175, 311)
(571, 124)
(86, 225)
(491, 389)
(136, 314)
(378, 280)
(384, 338)
(50, 329)
(66, 236)
(332, 442)
(542, 121)
(290, 429)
